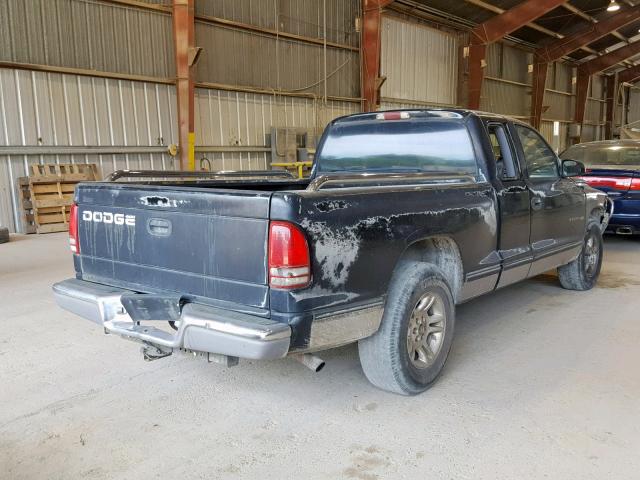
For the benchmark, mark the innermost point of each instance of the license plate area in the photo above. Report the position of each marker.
(142, 306)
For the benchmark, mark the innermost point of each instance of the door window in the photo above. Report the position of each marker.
(502, 152)
(540, 159)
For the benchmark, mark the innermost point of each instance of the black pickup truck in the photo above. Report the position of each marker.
(406, 214)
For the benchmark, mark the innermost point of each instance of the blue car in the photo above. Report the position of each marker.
(613, 166)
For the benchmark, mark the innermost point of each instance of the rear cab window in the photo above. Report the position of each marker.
(408, 145)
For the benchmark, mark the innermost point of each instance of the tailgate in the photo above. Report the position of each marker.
(192, 241)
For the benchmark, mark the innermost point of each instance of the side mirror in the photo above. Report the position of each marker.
(572, 168)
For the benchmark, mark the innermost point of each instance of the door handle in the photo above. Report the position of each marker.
(536, 203)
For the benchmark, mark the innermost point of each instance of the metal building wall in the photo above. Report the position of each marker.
(232, 127)
(558, 142)
(300, 17)
(265, 61)
(507, 84)
(633, 106)
(594, 118)
(87, 34)
(269, 80)
(53, 117)
(420, 63)
(58, 118)
(559, 94)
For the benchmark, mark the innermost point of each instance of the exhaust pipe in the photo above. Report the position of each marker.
(624, 231)
(310, 361)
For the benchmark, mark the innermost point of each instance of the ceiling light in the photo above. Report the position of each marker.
(613, 6)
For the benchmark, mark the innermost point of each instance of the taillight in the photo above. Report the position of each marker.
(617, 183)
(635, 184)
(74, 241)
(393, 116)
(289, 264)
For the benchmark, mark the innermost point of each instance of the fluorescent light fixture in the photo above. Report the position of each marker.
(613, 6)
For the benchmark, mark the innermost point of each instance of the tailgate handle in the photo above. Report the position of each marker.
(159, 227)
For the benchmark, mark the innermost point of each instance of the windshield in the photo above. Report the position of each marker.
(398, 146)
(593, 155)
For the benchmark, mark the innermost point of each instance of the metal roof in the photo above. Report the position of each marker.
(561, 21)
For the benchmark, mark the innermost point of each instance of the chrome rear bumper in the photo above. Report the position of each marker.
(201, 328)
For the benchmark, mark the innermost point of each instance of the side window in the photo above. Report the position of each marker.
(502, 152)
(541, 160)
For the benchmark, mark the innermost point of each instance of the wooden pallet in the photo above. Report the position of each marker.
(47, 193)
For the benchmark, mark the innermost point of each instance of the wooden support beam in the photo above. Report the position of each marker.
(370, 54)
(559, 48)
(629, 75)
(183, 39)
(610, 59)
(495, 9)
(591, 19)
(493, 30)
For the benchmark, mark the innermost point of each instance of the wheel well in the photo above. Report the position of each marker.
(442, 252)
(597, 214)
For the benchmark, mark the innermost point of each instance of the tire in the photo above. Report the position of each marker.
(394, 359)
(4, 235)
(582, 273)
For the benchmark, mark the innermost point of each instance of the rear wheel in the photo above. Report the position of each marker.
(409, 350)
(583, 272)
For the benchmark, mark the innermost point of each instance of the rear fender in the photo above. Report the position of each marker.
(441, 251)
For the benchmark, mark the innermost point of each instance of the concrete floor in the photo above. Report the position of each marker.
(541, 383)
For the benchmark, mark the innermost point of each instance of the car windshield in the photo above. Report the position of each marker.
(593, 155)
(398, 146)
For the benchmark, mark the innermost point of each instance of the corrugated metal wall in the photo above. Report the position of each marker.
(594, 118)
(634, 105)
(87, 34)
(275, 63)
(420, 63)
(267, 61)
(507, 84)
(559, 97)
(243, 120)
(558, 142)
(240, 121)
(41, 109)
(300, 17)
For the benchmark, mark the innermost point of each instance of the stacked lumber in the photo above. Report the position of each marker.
(46, 195)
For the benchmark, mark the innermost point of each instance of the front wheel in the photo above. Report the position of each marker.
(409, 350)
(583, 272)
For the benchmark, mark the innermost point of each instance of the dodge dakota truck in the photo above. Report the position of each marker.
(406, 214)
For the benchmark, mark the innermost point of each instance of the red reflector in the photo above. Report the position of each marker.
(289, 264)
(74, 241)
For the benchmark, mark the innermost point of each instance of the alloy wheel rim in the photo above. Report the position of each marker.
(591, 254)
(426, 329)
